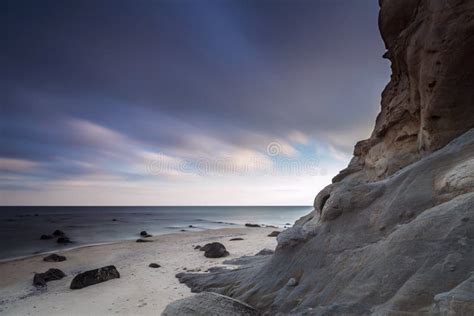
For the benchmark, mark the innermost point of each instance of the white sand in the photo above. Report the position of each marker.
(139, 291)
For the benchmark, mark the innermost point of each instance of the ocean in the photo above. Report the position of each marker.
(21, 227)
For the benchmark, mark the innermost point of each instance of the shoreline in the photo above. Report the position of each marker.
(140, 290)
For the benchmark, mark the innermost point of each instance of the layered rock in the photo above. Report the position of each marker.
(430, 98)
(396, 228)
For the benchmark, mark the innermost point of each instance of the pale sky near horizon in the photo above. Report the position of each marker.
(115, 102)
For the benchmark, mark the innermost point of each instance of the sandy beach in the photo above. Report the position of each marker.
(141, 290)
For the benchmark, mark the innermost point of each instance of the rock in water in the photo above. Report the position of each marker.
(214, 250)
(54, 258)
(40, 279)
(394, 231)
(236, 239)
(208, 303)
(46, 237)
(274, 234)
(143, 233)
(58, 233)
(64, 240)
(92, 277)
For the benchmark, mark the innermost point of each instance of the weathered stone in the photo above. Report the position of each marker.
(274, 234)
(252, 225)
(40, 279)
(215, 250)
(154, 265)
(265, 252)
(95, 276)
(54, 258)
(207, 303)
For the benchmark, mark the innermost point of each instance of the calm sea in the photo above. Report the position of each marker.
(21, 227)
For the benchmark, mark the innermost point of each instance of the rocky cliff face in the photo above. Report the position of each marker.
(430, 98)
(394, 233)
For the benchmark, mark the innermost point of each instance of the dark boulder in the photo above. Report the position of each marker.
(40, 279)
(144, 240)
(215, 250)
(63, 240)
(252, 225)
(154, 265)
(95, 276)
(236, 239)
(46, 237)
(274, 233)
(143, 233)
(54, 258)
(197, 247)
(58, 233)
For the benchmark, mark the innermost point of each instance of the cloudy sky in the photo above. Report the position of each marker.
(185, 102)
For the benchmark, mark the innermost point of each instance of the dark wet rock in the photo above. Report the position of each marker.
(252, 225)
(54, 258)
(154, 265)
(215, 250)
(183, 230)
(191, 226)
(143, 233)
(236, 239)
(197, 247)
(114, 219)
(95, 276)
(274, 233)
(265, 252)
(58, 233)
(208, 303)
(46, 237)
(63, 240)
(40, 279)
(144, 240)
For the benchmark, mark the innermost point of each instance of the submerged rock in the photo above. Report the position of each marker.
(63, 240)
(215, 250)
(208, 303)
(58, 233)
(143, 233)
(92, 277)
(54, 258)
(40, 279)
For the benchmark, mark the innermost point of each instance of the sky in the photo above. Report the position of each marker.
(185, 102)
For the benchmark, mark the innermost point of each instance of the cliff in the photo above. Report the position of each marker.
(394, 233)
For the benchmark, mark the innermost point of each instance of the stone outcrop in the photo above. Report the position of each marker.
(430, 98)
(206, 303)
(394, 233)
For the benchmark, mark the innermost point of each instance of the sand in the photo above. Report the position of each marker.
(139, 291)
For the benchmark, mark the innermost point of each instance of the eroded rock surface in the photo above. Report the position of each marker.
(207, 303)
(395, 230)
